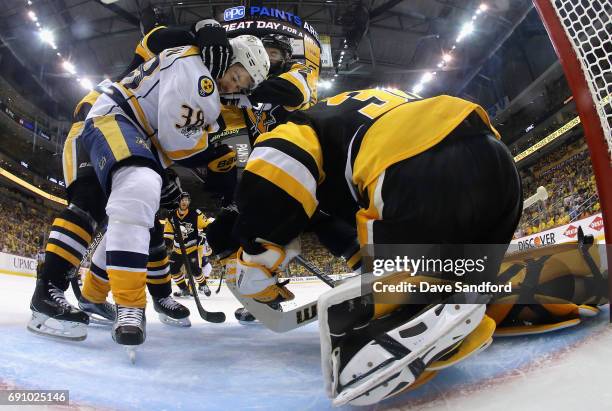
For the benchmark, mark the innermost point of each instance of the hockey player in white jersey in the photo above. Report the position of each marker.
(160, 114)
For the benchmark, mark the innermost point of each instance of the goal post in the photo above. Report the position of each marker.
(581, 33)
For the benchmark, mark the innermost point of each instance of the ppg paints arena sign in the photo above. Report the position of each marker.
(294, 26)
(260, 21)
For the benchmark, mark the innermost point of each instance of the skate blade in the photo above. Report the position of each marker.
(70, 331)
(175, 322)
(131, 352)
(95, 319)
(254, 322)
(352, 394)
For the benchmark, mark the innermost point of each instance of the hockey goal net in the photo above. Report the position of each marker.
(581, 33)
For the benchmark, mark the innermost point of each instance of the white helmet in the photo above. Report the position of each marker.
(250, 52)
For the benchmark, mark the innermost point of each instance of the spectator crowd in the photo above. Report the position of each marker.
(568, 177)
(23, 225)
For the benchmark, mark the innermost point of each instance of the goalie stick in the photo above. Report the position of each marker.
(210, 316)
(277, 321)
(316, 271)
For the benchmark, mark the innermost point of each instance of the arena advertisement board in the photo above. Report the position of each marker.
(15, 264)
(592, 225)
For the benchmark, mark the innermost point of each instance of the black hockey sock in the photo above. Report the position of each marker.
(71, 234)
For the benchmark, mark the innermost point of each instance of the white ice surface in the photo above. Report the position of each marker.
(233, 367)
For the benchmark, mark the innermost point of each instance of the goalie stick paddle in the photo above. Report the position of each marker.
(210, 316)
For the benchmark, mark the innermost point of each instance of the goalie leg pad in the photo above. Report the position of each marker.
(394, 351)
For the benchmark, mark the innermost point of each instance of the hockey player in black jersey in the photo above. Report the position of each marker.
(290, 86)
(191, 222)
(401, 170)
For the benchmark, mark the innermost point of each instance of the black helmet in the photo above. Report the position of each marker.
(185, 194)
(278, 41)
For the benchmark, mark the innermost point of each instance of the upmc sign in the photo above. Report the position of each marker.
(234, 13)
(15, 264)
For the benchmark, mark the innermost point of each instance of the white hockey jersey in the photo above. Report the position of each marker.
(171, 98)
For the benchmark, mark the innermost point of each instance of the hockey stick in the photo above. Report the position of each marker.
(220, 281)
(74, 277)
(317, 272)
(540, 195)
(210, 316)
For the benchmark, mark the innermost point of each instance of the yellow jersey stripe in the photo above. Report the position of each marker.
(143, 49)
(300, 83)
(155, 264)
(73, 228)
(302, 136)
(69, 152)
(162, 280)
(286, 182)
(52, 248)
(181, 154)
(188, 249)
(111, 131)
(354, 259)
(422, 119)
(136, 108)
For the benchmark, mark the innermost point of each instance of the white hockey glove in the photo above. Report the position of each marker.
(257, 275)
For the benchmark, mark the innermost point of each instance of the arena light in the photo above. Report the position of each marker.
(325, 84)
(47, 37)
(86, 83)
(427, 77)
(446, 57)
(32, 16)
(483, 7)
(69, 67)
(418, 88)
(466, 30)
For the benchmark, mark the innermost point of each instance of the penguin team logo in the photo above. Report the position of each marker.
(205, 86)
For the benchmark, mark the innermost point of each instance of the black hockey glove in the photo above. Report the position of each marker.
(220, 233)
(170, 194)
(212, 39)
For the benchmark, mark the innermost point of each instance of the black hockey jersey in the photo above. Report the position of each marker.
(193, 221)
(329, 155)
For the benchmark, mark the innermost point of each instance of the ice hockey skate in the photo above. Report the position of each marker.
(204, 289)
(53, 316)
(99, 313)
(172, 312)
